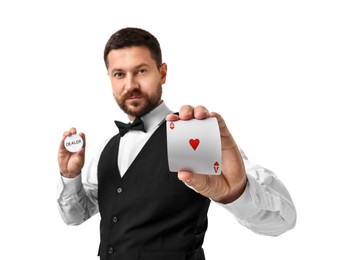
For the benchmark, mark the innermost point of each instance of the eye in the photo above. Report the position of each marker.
(141, 71)
(118, 75)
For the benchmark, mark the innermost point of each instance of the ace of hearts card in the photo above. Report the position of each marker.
(194, 145)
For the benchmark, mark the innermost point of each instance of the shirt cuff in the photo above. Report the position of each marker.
(71, 186)
(249, 203)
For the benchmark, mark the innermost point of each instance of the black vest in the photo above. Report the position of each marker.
(148, 214)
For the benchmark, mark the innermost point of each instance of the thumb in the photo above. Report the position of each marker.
(199, 182)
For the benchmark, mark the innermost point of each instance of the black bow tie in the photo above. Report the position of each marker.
(136, 125)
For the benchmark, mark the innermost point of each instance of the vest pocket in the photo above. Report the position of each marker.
(161, 255)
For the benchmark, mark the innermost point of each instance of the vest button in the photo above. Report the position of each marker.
(111, 250)
(119, 190)
(115, 219)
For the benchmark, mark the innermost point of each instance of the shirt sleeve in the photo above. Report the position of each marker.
(77, 197)
(266, 206)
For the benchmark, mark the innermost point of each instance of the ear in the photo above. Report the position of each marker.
(163, 71)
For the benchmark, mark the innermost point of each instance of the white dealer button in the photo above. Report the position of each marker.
(73, 143)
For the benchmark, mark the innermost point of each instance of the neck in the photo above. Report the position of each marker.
(132, 117)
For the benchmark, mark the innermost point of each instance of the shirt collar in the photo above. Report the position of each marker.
(156, 116)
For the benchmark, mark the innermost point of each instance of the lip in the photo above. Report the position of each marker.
(134, 98)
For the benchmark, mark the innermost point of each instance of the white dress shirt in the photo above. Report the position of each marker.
(265, 207)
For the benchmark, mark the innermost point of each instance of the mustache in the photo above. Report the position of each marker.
(134, 93)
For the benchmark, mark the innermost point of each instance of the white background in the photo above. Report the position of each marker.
(269, 67)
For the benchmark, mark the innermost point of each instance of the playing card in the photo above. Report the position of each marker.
(194, 145)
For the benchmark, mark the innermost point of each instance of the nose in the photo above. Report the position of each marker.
(131, 83)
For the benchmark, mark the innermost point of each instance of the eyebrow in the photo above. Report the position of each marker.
(135, 68)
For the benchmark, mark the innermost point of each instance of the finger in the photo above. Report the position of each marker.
(226, 138)
(186, 112)
(200, 112)
(83, 136)
(70, 132)
(232, 167)
(62, 142)
(172, 117)
(221, 122)
(81, 152)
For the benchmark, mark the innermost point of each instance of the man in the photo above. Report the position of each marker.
(148, 212)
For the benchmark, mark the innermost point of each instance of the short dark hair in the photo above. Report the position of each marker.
(128, 37)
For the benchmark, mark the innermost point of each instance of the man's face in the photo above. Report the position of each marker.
(136, 80)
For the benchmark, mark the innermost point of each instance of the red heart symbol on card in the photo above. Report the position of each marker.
(194, 143)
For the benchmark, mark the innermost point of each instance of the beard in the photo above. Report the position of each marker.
(141, 107)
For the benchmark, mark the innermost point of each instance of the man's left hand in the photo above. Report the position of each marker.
(230, 184)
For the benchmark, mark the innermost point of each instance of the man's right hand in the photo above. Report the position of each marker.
(71, 163)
